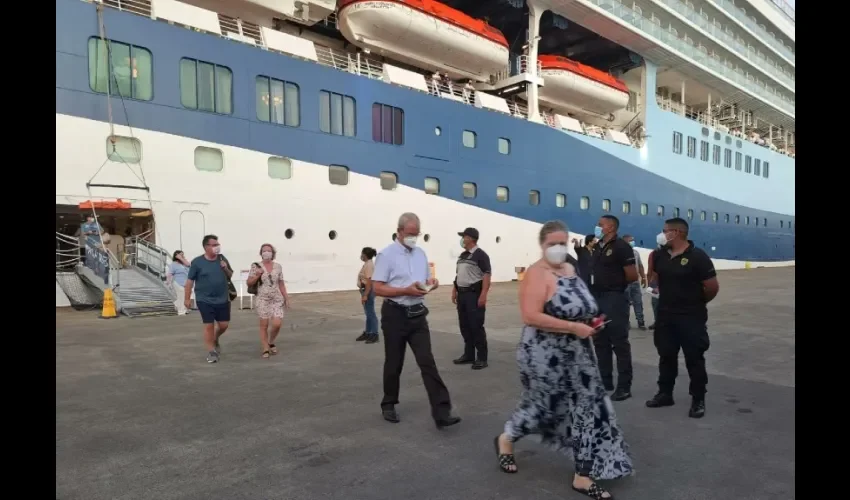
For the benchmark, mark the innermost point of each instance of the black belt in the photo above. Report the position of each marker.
(474, 288)
(412, 311)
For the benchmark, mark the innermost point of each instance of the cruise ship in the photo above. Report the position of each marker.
(313, 124)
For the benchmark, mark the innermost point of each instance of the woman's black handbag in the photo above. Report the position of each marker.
(254, 289)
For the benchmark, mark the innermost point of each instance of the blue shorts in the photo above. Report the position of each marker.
(212, 313)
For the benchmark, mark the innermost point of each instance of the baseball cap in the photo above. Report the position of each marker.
(471, 232)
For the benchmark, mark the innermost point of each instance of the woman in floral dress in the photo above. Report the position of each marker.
(272, 298)
(563, 399)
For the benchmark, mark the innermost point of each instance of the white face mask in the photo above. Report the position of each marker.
(556, 254)
(410, 241)
(266, 255)
(661, 239)
(462, 245)
(217, 250)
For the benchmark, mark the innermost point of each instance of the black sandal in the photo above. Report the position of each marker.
(505, 460)
(595, 492)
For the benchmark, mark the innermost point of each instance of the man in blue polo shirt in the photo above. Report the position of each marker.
(210, 274)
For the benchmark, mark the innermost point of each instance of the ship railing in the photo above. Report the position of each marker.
(357, 64)
(770, 94)
(522, 64)
(739, 14)
(451, 90)
(743, 50)
(140, 7)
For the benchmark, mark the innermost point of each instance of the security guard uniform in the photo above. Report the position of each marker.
(608, 286)
(473, 266)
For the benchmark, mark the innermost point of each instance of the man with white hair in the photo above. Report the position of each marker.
(401, 277)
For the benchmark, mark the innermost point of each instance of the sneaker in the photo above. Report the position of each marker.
(363, 336)
(659, 400)
(697, 408)
(372, 338)
(217, 347)
(641, 326)
(212, 357)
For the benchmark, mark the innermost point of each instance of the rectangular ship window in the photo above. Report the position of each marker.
(765, 171)
(123, 149)
(692, 147)
(128, 73)
(280, 168)
(504, 146)
(337, 114)
(727, 158)
(716, 155)
(469, 139)
(387, 124)
(644, 209)
(534, 197)
(389, 181)
(748, 164)
(627, 207)
(738, 157)
(606, 205)
(432, 185)
(584, 203)
(757, 167)
(503, 193)
(338, 174)
(470, 190)
(209, 159)
(703, 150)
(677, 143)
(560, 200)
(206, 86)
(278, 101)
(675, 212)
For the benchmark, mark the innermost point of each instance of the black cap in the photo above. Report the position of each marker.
(471, 232)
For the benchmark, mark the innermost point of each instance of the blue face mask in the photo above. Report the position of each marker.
(597, 231)
(632, 244)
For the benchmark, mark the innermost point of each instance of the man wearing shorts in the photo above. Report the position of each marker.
(209, 275)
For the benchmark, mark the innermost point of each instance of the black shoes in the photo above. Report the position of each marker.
(641, 326)
(697, 408)
(652, 326)
(363, 336)
(621, 395)
(479, 365)
(390, 415)
(660, 400)
(463, 360)
(372, 338)
(446, 422)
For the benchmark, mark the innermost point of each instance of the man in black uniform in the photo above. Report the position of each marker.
(471, 286)
(687, 276)
(584, 256)
(613, 268)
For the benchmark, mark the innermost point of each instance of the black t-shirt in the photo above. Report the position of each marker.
(680, 281)
(609, 259)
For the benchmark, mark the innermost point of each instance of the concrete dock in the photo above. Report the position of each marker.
(141, 415)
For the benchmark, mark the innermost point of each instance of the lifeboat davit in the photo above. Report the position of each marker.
(426, 34)
(572, 86)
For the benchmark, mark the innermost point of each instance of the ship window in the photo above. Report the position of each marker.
(606, 205)
(782, 223)
(728, 140)
(469, 138)
(128, 73)
(737, 219)
(738, 144)
(278, 102)
(387, 124)
(208, 159)
(705, 131)
(389, 181)
(748, 164)
(560, 200)
(502, 193)
(717, 136)
(702, 215)
(765, 170)
(715, 216)
(438, 131)
(677, 143)
(644, 209)
(206, 87)
(716, 155)
(757, 221)
(660, 211)
(703, 150)
(337, 114)
(726, 218)
(504, 146)
(432, 185)
(627, 207)
(692, 147)
(470, 190)
(675, 212)
(338, 175)
(690, 213)
(280, 168)
(534, 197)
(727, 158)
(123, 149)
(738, 157)
(757, 167)
(747, 220)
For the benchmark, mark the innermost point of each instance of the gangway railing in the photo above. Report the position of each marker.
(147, 256)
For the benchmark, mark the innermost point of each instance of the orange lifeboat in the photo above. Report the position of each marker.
(426, 34)
(575, 87)
(118, 204)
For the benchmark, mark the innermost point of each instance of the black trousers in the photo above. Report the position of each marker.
(614, 340)
(399, 331)
(673, 332)
(471, 320)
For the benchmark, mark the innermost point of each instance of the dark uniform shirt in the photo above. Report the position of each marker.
(609, 259)
(583, 263)
(680, 279)
(471, 267)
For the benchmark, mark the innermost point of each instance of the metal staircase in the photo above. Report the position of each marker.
(137, 278)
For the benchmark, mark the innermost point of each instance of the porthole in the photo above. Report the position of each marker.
(427, 237)
(332, 234)
(289, 234)
(498, 239)
(438, 131)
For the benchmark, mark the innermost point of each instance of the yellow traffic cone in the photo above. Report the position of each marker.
(108, 305)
